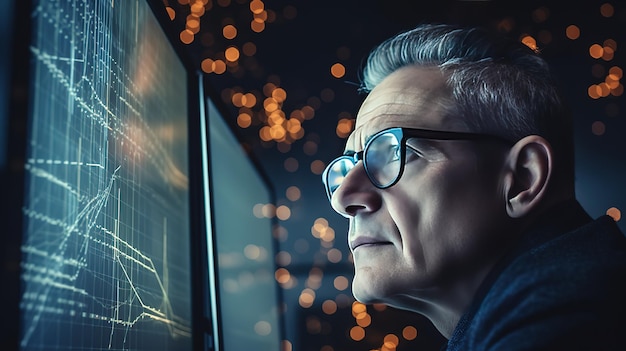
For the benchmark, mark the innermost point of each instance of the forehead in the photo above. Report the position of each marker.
(413, 97)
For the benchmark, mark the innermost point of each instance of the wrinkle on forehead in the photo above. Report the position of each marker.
(413, 97)
(401, 100)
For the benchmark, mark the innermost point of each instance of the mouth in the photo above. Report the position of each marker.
(367, 242)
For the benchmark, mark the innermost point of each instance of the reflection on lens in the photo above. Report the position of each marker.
(338, 172)
(382, 159)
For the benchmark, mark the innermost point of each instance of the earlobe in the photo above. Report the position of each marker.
(527, 175)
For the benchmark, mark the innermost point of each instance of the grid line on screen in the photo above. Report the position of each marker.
(106, 213)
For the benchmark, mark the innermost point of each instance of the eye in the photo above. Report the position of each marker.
(383, 149)
(423, 149)
(394, 152)
(412, 154)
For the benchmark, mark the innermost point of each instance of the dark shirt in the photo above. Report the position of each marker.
(562, 288)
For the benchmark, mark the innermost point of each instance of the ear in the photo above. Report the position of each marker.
(527, 174)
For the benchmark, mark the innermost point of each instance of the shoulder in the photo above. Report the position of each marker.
(592, 252)
(567, 292)
(581, 268)
(592, 256)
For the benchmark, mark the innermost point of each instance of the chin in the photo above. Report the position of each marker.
(367, 293)
(359, 293)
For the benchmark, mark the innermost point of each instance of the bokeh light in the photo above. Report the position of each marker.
(229, 31)
(607, 10)
(572, 32)
(409, 332)
(329, 307)
(317, 167)
(187, 36)
(598, 128)
(293, 193)
(615, 213)
(357, 333)
(337, 70)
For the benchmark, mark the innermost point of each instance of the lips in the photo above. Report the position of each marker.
(366, 242)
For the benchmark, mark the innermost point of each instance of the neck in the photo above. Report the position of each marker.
(455, 300)
(444, 305)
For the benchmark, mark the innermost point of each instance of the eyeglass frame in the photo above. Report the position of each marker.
(406, 133)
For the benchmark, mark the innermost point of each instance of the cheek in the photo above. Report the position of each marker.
(466, 203)
(412, 207)
(460, 188)
(424, 198)
(439, 212)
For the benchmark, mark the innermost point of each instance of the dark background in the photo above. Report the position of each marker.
(295, 51)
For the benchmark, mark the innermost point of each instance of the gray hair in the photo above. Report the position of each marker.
(499, 86)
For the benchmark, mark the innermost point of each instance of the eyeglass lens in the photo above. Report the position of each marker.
(337, 172)
(382, 159)
(382, 162)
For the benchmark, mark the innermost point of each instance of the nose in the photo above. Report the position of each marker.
(356, 194)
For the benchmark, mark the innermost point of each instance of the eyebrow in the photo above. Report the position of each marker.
(367, 140)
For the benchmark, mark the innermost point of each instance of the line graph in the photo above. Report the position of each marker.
(106, 216)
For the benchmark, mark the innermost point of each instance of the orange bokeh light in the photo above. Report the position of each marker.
(171, 12)
(186, 36)
(409, 332)
(257, 6)
(232, 54)
(530, 42)
(219, 66)
(615, 213)
(244, 120)
(282, 275)
(329, 307)
(572, 32)
(596, 51)
(257, 27)
(338, 70)
(357, 333)
(229, 31)
(607, 10)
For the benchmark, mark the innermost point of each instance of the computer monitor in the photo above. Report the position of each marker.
(249, 299)
(107, 244)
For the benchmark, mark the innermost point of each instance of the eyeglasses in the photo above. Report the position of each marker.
(384, 156)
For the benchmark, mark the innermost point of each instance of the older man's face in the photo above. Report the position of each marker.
(436, 225)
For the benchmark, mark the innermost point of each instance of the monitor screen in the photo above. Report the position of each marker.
(248, 294)
(106, 219)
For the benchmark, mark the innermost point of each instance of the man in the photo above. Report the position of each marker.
(458, 182)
